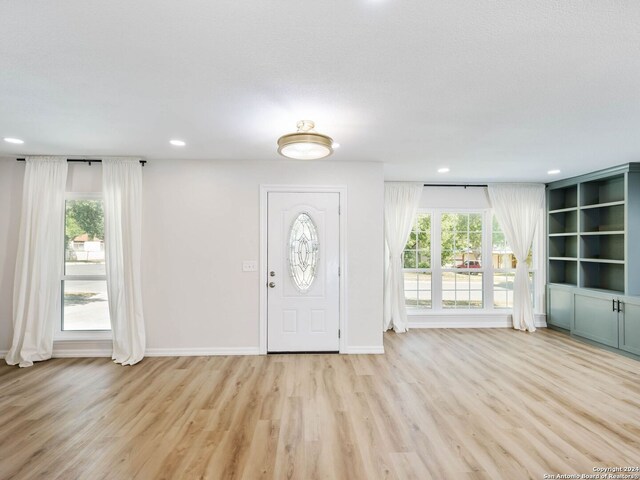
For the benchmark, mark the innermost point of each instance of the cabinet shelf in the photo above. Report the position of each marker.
(601, 205)
(600, 275)
(602, 260)
(563, 271)
(602, 219)
(602, 191)
(563, 198)
(562, 210)
(612, 232)
(563, 222)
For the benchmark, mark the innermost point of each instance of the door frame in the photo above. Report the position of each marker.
(341, 190)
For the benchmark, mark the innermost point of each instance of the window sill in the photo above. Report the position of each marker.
(83, 336)
(453, 312)
(467, 319)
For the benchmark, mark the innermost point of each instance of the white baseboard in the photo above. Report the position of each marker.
(3, 353)
(82, 348)
(201, 352)
(480, 320)
(356, 350)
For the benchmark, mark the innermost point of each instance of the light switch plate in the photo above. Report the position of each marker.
(250, 266)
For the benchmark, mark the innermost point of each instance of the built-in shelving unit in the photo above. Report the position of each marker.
(588, 231)
(593, 275)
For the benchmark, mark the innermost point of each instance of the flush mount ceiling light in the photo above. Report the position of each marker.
(443, 170)
(177, 143)
(306, 143)
(13, 140)
(553, 172)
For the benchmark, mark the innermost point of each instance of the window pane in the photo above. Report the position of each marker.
(410, 281)
(424, 222)
(424, 259)
(409, 260)
(424, 290)
(475, 299)
(411, 289)
(461, 240)
(424, 240)
(411, 243)
(462, 290)
(503, 290)
(85, 305)
(84, 238)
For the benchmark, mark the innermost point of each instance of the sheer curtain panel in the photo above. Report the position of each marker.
(401, 202)
(38, 274)
(517, 208)
(122, 192)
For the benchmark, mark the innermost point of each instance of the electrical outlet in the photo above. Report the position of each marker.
(249, 266)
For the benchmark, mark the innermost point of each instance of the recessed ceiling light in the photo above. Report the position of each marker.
(553, 172)
(335, 145)
(443, 170)
(306, 143)
(177, 143)
(13, 140)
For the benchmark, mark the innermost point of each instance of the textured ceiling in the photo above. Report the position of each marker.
(495, 90)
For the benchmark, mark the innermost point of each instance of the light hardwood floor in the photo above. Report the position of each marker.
(442, 404)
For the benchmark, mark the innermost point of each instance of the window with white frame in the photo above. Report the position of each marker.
(84, 282)
(461, 259)
(417, 263)
(474, 267)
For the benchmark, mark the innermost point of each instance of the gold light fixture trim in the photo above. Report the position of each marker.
(306, 143)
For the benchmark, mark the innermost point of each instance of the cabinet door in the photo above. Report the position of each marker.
(595, 319)
(560, 308)
(630, 327)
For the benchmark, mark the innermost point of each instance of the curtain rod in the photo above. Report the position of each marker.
(83, 160)
(451, 185)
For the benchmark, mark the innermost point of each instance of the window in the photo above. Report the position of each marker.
(84, 283)
(417, 263)
(504, 268)
(461, 260)
(474, 266)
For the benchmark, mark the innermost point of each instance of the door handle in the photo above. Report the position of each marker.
(619, 306)
(272, 284)
(613, 305)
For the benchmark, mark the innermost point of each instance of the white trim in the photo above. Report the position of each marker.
(201, 352)
(82, 348)
(342, 191)
(478, 320)
(355, 350)
(3, 353)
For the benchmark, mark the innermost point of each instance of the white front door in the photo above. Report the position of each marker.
(303, 260)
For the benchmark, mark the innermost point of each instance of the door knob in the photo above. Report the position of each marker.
(272, 273)
(272, 284)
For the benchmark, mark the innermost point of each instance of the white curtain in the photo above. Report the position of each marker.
(38, 274)
(401, 202)
(517, 208)
(122, 192)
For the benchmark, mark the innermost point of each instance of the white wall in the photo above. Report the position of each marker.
(201, 220)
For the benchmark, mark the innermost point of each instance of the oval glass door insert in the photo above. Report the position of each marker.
(303, 252)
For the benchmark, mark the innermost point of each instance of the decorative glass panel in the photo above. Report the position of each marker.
(303, 252)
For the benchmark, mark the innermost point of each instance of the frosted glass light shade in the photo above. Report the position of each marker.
(305, 144)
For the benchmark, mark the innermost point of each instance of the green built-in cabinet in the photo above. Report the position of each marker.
(593, 271)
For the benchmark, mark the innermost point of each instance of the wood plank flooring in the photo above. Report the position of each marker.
(441, 404)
